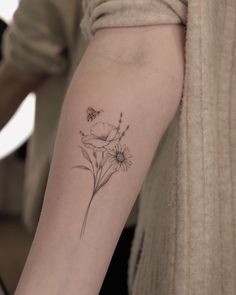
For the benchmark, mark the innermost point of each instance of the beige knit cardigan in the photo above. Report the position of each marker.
(185, 240)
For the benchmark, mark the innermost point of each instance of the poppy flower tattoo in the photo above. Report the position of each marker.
(105, 155)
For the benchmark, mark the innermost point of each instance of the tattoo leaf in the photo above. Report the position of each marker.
(103, 161)
(82, 167)
(105, 180)
(85, 154)
(95, 154)
(96, 161)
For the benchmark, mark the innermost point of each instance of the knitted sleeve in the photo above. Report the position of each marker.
(117, 13)
(35, 39)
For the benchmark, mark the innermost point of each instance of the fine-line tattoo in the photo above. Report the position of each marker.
(105, 155)
(92, 113)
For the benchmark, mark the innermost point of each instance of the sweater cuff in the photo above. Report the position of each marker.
(127, 13)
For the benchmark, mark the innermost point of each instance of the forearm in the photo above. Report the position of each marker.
(136, 72)
(15, 85)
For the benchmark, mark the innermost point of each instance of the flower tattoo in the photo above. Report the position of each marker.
(105, 155)
(101, 135)
(119, 157)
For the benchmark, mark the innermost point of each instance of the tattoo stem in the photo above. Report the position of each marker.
(99, 177)
(100, 186)
(106, 171)
(86, 215)
(99, 172)
(96, 177)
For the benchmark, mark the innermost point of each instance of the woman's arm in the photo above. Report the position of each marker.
(15, 85)
(121, 100)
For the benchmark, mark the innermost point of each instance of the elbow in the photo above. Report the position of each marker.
(143, 47)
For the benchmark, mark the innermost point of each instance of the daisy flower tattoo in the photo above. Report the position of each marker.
(119, 157)
(105, 155)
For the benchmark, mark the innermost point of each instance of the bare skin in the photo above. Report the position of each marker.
(136, 72)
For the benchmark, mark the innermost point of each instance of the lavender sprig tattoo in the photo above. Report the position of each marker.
(105, 155)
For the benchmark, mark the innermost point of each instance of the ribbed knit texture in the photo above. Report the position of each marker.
(108, 13)
(185, 240)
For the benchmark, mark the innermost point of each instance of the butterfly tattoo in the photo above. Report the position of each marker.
(92, 113)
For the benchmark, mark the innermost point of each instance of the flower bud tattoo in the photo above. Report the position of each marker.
(105, 153)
